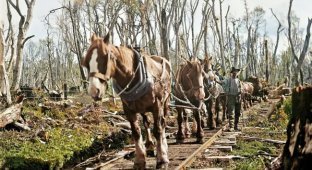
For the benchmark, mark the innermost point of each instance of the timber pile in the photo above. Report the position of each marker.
(279, 91)
(297, 152)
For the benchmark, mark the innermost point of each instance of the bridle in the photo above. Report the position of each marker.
(105, 77)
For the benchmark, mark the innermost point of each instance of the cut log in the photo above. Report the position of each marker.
(11, 114)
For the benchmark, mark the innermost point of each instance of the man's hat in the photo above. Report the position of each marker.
(217, 67)
(234, 70)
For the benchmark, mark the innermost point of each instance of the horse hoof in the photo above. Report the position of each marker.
(162, 165)
(139, 166)
(150, 153)
(200, 141)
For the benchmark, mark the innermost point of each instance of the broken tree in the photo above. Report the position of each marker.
(298, 148)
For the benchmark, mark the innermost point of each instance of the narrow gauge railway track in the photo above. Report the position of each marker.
(181, 156)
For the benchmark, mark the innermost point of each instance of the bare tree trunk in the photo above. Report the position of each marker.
(4, 82)
(237, 45)
(304, 50)
(77, 45)
(219, 34)
(248, 52)
(279, 30)
(303, 54)
(21, 40)
(266, 60)
(10, 37)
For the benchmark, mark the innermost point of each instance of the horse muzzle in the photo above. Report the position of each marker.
(199, 94)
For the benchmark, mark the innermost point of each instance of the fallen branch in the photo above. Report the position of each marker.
(21, 126)
(11, 114)
(114, 116)
(251, 138)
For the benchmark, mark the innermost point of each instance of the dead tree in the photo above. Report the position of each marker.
(4, 82)
(304, 50)
(163, 11)
(24, 23)
(279, 30)
(266, 51)
(219, 34)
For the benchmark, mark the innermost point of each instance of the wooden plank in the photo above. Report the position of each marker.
(225, 142)
(224, 158)
(221, 148)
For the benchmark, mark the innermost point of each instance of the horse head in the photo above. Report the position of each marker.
(100, 63)
(209, 75)
(195, 76)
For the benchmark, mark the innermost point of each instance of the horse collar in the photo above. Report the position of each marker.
(141, 87)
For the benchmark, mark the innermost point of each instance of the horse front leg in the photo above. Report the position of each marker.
(180, 135)
(218, 109)
(211, 122)
(160, 135)
(140, 154)
(149, 143)
(200, 132)
(187, 131)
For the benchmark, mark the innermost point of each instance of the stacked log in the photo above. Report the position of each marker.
(297, 152)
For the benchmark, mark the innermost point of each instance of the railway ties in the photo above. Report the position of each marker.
(179, 154)
(182, 156)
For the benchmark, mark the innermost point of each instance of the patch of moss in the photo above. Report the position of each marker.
(288, 107)
(35, 154)
(250, 151)
(250, 164)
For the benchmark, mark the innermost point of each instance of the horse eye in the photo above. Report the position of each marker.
(102, 81)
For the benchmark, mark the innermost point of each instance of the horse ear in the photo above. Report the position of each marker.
(210, 58)
(93, 37)
(106, 38)
(189, 63)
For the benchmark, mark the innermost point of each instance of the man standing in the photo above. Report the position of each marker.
(232, 89)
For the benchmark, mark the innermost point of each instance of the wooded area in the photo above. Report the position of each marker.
(173, 29)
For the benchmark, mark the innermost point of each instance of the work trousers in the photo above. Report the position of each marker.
(233, 109)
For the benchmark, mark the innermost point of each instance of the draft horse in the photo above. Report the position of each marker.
(143, 83)
(190, 89)
(215, 96)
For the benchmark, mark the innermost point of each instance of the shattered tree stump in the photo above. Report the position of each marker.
(297, 152)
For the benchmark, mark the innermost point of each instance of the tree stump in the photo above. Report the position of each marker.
(297, 152)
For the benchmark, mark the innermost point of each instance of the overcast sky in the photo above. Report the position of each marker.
(302, 9)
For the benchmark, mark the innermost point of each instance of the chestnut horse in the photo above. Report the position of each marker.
(143, 83)
(215, 96)
(247, 90)
(189, 88)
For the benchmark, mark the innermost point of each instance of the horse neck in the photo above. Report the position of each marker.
(124, 65)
